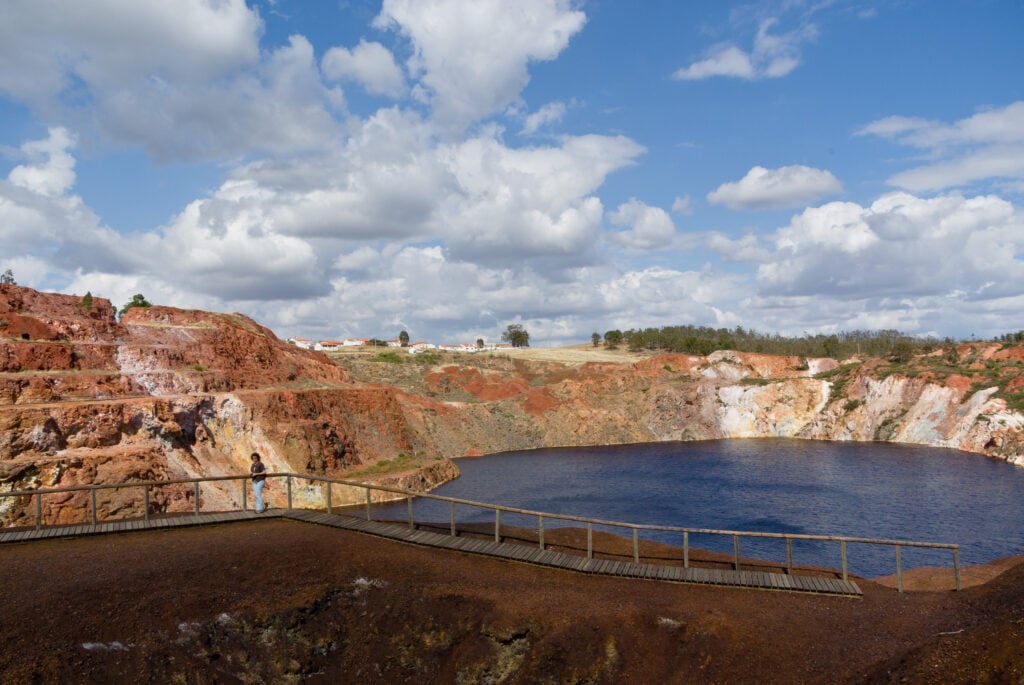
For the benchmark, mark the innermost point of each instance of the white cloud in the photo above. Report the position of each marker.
(900, 246)
(184, 80)
(471, 59)
(51, 167)
(649, 227)
(371, 64)
(787, 186)
(45, 45)
(682, 205)
(537, 202)
(550, 113)
(987, 145)
(772, 56)
(745, 249)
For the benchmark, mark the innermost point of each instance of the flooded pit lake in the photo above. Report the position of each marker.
(875, 490)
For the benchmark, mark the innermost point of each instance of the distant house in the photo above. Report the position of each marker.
(461, 347)
(393, 343)
(328, 345)
(354, 342)
(304, 343)
(417, 347)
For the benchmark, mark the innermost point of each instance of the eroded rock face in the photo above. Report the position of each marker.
(168, 393)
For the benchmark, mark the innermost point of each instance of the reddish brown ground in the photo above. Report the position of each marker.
(274, 601)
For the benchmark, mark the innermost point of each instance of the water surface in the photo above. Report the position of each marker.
(877, 490)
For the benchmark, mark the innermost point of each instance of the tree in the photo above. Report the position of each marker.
(403, 338)
(517, 335)
(902, 352)
(7, 278)
(87, 301)
(137, 301)
(612, 339)
(480, 343)
(595, 338)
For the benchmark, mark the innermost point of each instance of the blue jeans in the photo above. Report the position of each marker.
(257, 489)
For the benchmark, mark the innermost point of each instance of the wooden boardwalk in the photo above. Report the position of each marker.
(515, 552)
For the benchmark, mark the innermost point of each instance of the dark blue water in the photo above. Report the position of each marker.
(874, 490)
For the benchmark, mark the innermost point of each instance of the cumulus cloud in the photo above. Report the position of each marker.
(184, 80)
(37, 213)
(50, 169)
(471, 59)
(370, 64)
(682, 205)
(787, 186)
(987, 145)
(536, 202)
(899, 246)
(649, 227)
(771, 56)
(550, 113)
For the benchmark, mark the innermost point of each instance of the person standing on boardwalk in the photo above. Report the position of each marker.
(258, 473)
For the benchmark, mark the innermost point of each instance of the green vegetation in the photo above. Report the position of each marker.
(702, 340)
(612, 339)
(595, 338)
(137, 301)
(403, 462)
(517, 335)
(390, 357)
(85, 304)
(427, 358)
(7, 278)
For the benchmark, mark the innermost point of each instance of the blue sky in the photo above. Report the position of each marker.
(449, 167)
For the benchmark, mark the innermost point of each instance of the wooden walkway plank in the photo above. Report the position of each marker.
(482, 546)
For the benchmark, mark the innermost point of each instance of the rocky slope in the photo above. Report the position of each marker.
(168, 393)
(492, 403)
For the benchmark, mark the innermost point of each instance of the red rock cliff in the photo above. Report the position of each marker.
(168, 393)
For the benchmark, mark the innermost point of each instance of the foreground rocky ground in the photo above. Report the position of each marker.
(278, 601)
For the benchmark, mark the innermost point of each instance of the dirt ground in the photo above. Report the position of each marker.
(281, 601)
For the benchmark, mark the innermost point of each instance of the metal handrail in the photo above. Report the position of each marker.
(409, 495)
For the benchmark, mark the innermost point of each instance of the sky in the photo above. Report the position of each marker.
(338, 168)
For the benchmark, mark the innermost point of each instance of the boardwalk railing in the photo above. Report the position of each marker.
(366, 498)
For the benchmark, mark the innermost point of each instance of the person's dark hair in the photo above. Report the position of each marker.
(254, 454)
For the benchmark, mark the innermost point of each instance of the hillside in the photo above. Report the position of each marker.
(527, 398)
(168, 393)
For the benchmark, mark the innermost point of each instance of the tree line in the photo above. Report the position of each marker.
(703, 340)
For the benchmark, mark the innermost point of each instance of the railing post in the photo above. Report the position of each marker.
(736, 551)
(789, 555)
(368, 504)
(408, 501)
(195, 496)
(899, 570)
(451, 506)
(330, 498)
(289, 491)
(590, 540)
(636, 547)
(92, 505)
(497, 525)
(540, 531)
(39, 511)
(145, 503)
(686, 549)
(842, 551)
(245, 506)
(956, 567)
